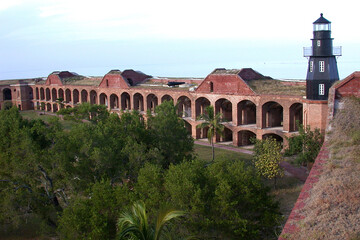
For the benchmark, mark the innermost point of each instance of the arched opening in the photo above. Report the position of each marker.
(61, 95)
(152, 102)
(42, 94)
(67, 96)
(244, 137)
(166, 98)
(114, 102)
(224, 106)
(246, 112)
(188, 127)
(37, 93)
(201, 132)
(125, 101)
(103, 99)
(54, 94)
(48, 107)
(7, 94)
(200, 105)
(296, 116)
(55, 107)
(47, 95)
(273, 135)
(84, 96)
(31, 95)
(226, 137)
(272, 115)
(184, 106)
(93, 97)
(138, 102)
(76, 96)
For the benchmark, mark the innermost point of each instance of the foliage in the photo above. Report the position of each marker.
(133, 224)
(94, 215)
(307, 145)
(225, 199)
(169, 135)
(213, 123)
(85, 111)
(267, 158)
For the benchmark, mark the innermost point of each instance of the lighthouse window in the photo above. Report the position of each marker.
(311, 67)
(322, 66)
(318, 43)
(321, 89)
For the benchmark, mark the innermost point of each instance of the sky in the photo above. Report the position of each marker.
(187, 38)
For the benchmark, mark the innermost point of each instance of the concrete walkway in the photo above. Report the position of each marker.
(300, 173)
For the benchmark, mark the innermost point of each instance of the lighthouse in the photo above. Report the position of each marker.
(322, 68)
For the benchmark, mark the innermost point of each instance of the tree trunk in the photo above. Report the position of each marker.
(213, 149)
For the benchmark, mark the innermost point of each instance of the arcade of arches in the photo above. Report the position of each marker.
(244, 118)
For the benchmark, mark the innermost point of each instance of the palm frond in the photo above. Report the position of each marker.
(164, 217)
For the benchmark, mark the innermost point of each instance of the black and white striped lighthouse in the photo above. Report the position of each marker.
(322, 69)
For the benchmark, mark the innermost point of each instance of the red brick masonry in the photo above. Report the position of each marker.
(291, 225)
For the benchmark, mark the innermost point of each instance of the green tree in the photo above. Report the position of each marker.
(169, 135)
(267, 158)
(306, 144)
(85, 111)
(213, 123)
(134, 224)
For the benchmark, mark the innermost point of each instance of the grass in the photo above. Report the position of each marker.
(332, 210)
(277, 87)
(31, 115)
(204, 152)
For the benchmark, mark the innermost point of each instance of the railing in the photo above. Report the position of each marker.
(308, 52)
(336, 51)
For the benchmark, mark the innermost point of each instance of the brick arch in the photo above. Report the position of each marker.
(61, 94)
(201, 132)
(200, 104)
(84, 96)
(246, 112)
(67, 95)
(166, 97)
(37, 93)
(47, 95)
(272, 114)
(54, 96)
(184, 106)
(226, 137)
(138, 100)
(296, 115)
(42, 94)
(224, 106)
(114, 101)
(125, 101)
(7, 94)
(152, 102)
(103, 99)
(76, 96)
(244, 137)
(93, 97)
(273, 135)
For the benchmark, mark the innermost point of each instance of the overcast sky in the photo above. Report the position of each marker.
(187, 38)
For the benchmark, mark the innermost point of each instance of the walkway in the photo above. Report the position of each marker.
(300, 173)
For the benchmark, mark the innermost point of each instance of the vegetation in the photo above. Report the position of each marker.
(332, 209)
(213, 123)
(267, 158)
(306, 145)
(134, 224)
(76, 183)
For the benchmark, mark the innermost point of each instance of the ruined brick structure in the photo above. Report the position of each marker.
(252, 105)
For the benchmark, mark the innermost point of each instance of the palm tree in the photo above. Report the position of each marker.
(213, 122)
(133, 224)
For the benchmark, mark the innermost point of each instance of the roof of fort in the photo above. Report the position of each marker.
(257, 82)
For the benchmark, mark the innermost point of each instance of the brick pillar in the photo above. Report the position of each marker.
(286, 118)
(259, 117)
(235, 119)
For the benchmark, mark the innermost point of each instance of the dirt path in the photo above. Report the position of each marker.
(300, 173)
